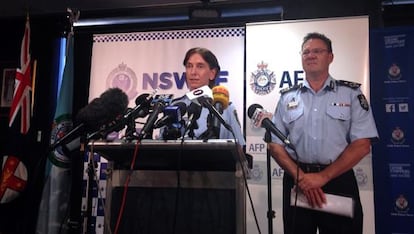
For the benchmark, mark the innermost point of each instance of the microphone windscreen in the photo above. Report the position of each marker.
(221, 95)
(105, 108)
(115, 101)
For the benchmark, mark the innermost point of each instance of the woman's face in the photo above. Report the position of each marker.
(198, 72)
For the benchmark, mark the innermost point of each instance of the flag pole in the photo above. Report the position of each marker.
(33, 85)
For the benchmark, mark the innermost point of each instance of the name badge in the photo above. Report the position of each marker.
(292, 104)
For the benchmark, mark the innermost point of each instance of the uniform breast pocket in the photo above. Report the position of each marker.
(293, 114)
(339, 112)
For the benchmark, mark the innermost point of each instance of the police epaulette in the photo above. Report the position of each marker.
(295, 87)
(352, 85)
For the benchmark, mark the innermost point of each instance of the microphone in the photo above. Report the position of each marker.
(146, 131)
(261, 118)
(203, 91)
(172, 114)
(220, 102)
(193, 113)
(140, 110)
(205, 102)
(108, 106)
(204, 96)
(220, 98)
(165, 98)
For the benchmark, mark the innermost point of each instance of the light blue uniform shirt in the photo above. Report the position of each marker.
(229, 115)
(321, 125)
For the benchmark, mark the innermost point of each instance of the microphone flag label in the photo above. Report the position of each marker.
(203, 91)
(259, 115)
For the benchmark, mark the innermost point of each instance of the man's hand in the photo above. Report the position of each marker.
(315, 197)
(311, 185)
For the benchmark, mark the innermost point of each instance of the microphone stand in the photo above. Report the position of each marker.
(270, 211)
(75, 202)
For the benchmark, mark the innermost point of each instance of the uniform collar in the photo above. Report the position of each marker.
(329, 85)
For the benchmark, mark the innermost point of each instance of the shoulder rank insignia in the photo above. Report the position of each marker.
(363, 102)
(352, 85)
(295, 87)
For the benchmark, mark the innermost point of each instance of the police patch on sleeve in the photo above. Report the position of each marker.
(363, 102)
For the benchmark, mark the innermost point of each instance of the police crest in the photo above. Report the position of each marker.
(394, 72)
(262, 81)
(397, 136)
(61, 126)
(124, 78)
(363, 102)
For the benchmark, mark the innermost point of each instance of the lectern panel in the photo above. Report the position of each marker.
(157, 210)
(191, 186)
(218, 155)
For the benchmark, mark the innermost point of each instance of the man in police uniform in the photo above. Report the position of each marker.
(202, 68)
(331, 126)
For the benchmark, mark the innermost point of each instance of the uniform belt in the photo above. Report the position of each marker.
(311, 167)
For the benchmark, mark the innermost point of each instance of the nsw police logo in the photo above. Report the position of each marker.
(401, 204)
(124, 78)
(262, 81)
(397, 136)
(61, 127)
(394, 72)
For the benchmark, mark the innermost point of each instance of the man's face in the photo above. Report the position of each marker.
(316, 57)
(198, 72)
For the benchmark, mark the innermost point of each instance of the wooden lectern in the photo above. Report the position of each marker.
(176, 187)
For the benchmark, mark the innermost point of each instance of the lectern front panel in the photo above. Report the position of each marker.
(190, 187)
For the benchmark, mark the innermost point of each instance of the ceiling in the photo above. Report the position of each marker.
(16, 8)
(395, 11)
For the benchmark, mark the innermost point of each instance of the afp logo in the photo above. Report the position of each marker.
(262, 81)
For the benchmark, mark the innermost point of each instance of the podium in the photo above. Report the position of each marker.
(177, 187)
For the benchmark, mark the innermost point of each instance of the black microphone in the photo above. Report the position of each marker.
(205, 102)
(146, 131)
(108, 106)
(261, 118)
(193, 113)
(140, 110)
(172, 114)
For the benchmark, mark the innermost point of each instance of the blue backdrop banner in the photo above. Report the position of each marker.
(392, 93)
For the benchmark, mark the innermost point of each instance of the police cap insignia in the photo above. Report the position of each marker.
(352, 85)
(363, 101)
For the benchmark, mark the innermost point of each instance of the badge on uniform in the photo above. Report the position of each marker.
(363, 102)
(292, 104)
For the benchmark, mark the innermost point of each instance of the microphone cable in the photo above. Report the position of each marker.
(126, 184)
(296, 182)
(178, 188)
(246, 184)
